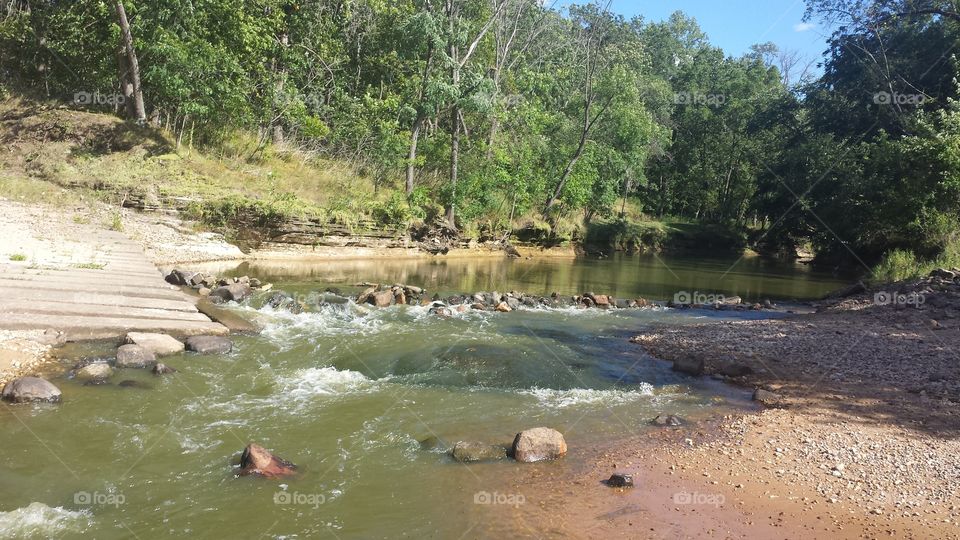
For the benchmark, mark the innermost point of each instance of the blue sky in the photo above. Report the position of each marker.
(735, 25)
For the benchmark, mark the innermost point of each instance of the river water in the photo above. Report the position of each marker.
(348, 393)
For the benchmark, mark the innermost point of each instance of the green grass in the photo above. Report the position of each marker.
(899, 265)
(116, 222)
(18, 257)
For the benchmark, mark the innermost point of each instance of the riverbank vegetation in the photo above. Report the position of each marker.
(504, 117)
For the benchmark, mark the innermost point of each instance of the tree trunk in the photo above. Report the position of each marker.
(454, 164)
(412, 155)
(133, 66)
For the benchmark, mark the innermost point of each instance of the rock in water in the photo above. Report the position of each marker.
(162, 369)
(209, 344)
(690, 366)
(538, 444)
(257, 460)
(382, 299)
(99, 370)
(434, 444)
(158, 344)
(135, 356)
(467, 452)
(667, 420)
(620, 480)
(504, 307)
(233, 291)
(31, 389)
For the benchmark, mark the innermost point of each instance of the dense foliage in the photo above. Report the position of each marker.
(485, 111)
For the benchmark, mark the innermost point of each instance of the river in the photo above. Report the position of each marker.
(349, 393)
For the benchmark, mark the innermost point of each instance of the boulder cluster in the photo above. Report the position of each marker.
(217, 289)
(529, 446)
(384, 296)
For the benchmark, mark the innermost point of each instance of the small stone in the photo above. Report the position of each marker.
(162, 369)
(620, 480)
(468, 452)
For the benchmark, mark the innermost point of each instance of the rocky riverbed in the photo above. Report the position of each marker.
(866, 430)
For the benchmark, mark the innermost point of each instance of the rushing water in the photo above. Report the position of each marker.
(348, 392)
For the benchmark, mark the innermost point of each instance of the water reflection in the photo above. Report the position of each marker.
(655, 277)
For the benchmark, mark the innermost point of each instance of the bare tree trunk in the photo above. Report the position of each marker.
(133, 66)
(412, 155)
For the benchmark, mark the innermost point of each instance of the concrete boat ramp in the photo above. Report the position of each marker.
(89, 283)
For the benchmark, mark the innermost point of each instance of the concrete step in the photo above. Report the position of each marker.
(78, 327)
(8, 306)
(27, 295)
(142, 291)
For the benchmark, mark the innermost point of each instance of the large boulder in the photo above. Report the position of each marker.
(31, 389)
(538, 444)
(257, 460)
(158, 344)
(209, 344)
(135, 356)
(467, 452)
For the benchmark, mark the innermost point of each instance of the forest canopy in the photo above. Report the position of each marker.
(488, 110)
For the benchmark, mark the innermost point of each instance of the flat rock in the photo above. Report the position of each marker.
(135, 356)
(258, 461)
(158, 344)
(162, 369)
(538, 444)
(31, 389)
(209, 344)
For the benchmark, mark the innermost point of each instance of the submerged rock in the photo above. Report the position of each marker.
(257, 460)
(31, 389)
(620, 480)
(468, 452)
(158, 344)
(162, 369)
(434, 444)
(209, 344)
(690, 366)
(129, 383)
(667, 420)
(538, 444)
(135, 356)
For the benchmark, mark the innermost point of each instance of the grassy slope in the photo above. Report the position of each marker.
(53, 154)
